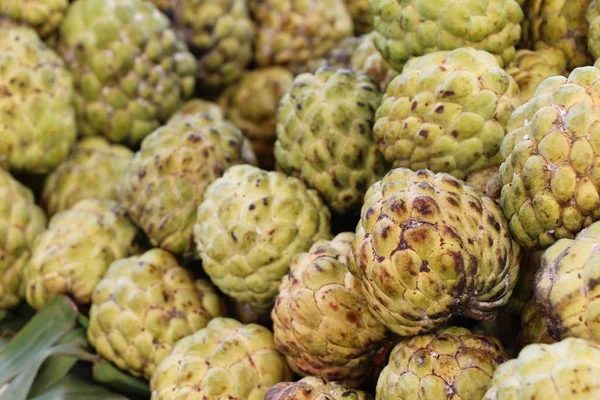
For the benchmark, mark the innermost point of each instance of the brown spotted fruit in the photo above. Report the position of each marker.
(314, 388)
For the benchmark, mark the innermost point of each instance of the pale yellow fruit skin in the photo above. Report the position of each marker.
(143, 306)
(567, 370)
(42, 15)
(314, 388)
(72, 255)
(533, 326)
(21, 222)
(225, 360)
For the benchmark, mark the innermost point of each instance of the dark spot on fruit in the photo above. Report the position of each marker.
(251, 207)
(439, 109)
(413, 105)
(425, 205)
(353, 317)
(385, 231)
(333, 306)
(424, 133)
(454, 133)
(424, 267)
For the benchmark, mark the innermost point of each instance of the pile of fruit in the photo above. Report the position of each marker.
(300, 199)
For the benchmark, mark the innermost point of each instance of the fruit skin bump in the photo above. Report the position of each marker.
(361, 15)
(321, 319)
(550, 175)
(131, 72)
(21, 222)
(73, 254)
(314, 388)
(93, 170)
(36, 110)
(565, 370)
(167, 177)
(428, 247)
(447, 112)
(42, 15)
(411, 28)
(324, 135)
(534, 328)
(143, 306)
(225, 360)
(567, 286)
(449, 364)
(250, 225)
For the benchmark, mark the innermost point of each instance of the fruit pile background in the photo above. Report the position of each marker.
(300, 199)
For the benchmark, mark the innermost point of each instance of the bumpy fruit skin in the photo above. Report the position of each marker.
(533, 326)
(451, 363)
(143, 306)
(251, 104)
(291, 33)
(487, 181)
(73, 254)
(250, 224)
(551, 175)
(131, 71)
(412, 28)
(593, 19)
(36, 110)
(361, 15)
(366, 59)
(567, 370)
(428, 247)
(321, 320)
(42, 15)
(21, 222)
(199, 106)
(220, 34)
(225, 360)
(92, 171)
(530, 264)
(529, 68)
(447, 112)
(314, 388)
(567, 286)
(167, 177)
(561, 24)
(324, 135)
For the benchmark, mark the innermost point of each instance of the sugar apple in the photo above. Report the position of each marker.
(42, 15)
(324, 135)
(76, 250)
(567, 286)
(529, 68)
(412, 28)
(487, 181)
(314, 388)
(428, 247)
(361, 15)
(338, 57)
(561, 24)
(567, 370)
(533, 326)
(165, 182)
(199, 106)
(92, 171)
(523, 292)
(251, 104)
(293, 32)
(321, 320)
(366, 59)
(550, 177)
(143, 306)
(38, 119)
(451, 363)
(220, 34)
(250, 224)
(225, 360)
(131, 72)
(21, 222)
(447, 112)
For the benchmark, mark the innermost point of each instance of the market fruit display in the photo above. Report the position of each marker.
(451, 363)
(73, 254)
(42, 15)
(220, 34)
(130, 70)
(361, 15)
(550, 185)
(428, 247)
(251, 104)
(36, 110)
(487, 181)
(321, 320)
(567, 286)
(93, 160)
(250, 225)
(165, 182)
(293, 32)
(21, 222)
(226, 359)
(366, 59)
(533, 326)
(523, 292)
(447, 111)
(314, 388)
(324, 135)
(568, 369)
(143, 305)
(411, 28)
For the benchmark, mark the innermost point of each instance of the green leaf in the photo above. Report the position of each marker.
(108, 375)
(73, 388)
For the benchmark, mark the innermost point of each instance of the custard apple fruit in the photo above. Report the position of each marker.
(314, 388)
(533, 326)
(42, 15)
